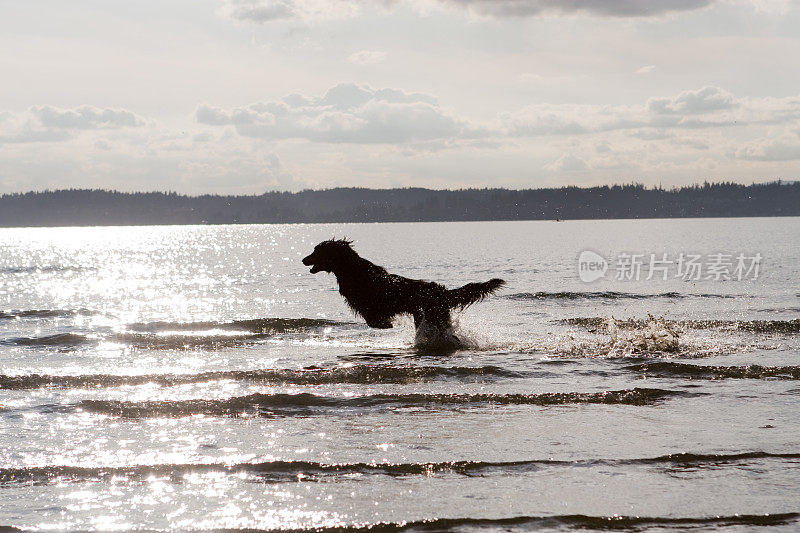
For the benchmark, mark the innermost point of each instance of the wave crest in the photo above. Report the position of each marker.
(786, 327)
(282, 471)
(608, 295)
(306, 404)
(668, 369)
(362, 374)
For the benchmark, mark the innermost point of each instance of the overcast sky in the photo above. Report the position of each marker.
(244, 96)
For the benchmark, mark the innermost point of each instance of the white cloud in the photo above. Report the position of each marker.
(152, 158)
(783, 149)
(546, 119)
(259, 11)
(85, 117)
(262, 11)
(42, 124)
(774, 6)
(367, 57)
(706, 108)
(567, 163)
(705, 100)
(346, 113)
(29, 135)
(647, 69)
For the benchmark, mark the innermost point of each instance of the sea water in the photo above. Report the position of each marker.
(199, 377)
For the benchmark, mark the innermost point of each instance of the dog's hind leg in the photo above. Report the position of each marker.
(437, 318)
(435, 329)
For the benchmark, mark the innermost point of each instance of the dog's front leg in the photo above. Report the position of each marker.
(384, 322)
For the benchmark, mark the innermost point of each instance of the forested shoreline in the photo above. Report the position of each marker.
(83, 207)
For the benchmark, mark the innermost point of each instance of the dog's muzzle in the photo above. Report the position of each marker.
(307, 260)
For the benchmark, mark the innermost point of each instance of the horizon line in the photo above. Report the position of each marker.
(635, 184)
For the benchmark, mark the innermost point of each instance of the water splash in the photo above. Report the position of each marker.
(454, 338)
(655, 336)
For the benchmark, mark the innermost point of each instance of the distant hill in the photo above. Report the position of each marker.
(99, 207)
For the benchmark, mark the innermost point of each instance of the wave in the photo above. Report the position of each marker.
(699, 459)
(43, 313)
(143, 341)
(269, 326)
(778, 310)
(285, 471)
(198, 340)
(64, 340)
(306, 404)
(607, 295)
(578, 522)
(41, 269)
(182, 335)
(666, 369)
(551, 522)
(749, 326)
(272, 471)
(362, 374)
(174, 335)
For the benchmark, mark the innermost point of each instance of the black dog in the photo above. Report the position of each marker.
(377, 296)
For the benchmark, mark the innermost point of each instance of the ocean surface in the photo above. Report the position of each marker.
(200, 378)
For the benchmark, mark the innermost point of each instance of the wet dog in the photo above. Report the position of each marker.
(378, 296)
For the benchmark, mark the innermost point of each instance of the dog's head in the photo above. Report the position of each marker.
(327, 255)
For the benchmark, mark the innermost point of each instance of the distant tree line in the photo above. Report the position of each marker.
(78, 207)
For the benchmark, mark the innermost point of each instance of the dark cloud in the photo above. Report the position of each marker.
(262, 11)
(603, 8)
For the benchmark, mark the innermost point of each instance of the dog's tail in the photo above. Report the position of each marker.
(471, 293)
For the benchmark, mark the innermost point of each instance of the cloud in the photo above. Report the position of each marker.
(50, 124)
(705, 108)
(774, 6)
(28, 135)
(705, 100)
(85, 118)
(647, 69)
(784, 149)
(601, 8)
(265, 11)
(545, 119)
(367, 57)
(356, 114)
(567, 163)
(259, 11)
(346, 113)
